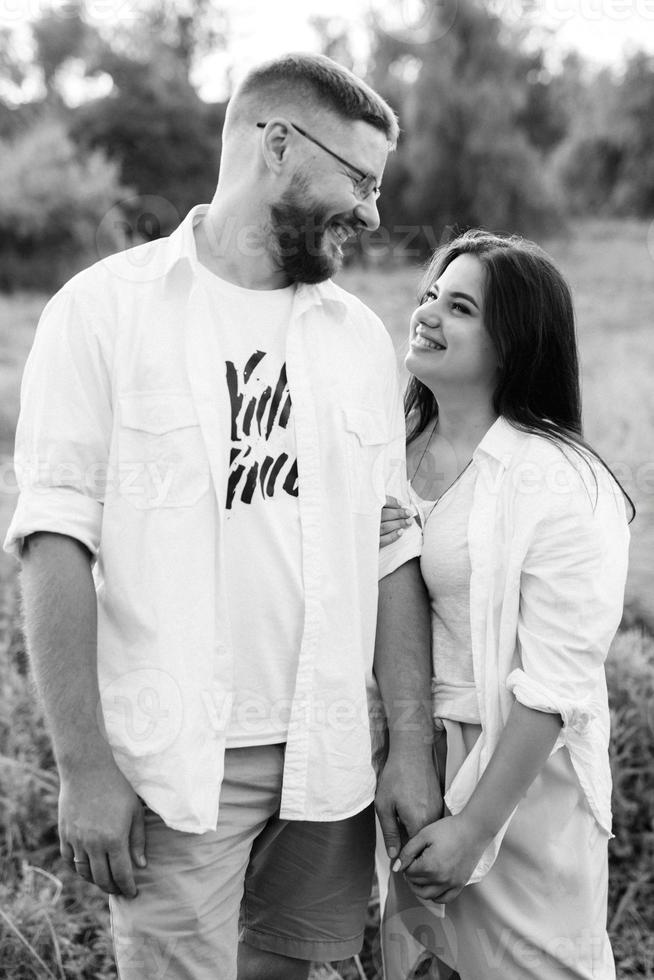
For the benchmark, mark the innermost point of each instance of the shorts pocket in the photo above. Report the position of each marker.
(366, 436)
(161, 455)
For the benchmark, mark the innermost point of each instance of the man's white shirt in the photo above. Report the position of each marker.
(123, 443)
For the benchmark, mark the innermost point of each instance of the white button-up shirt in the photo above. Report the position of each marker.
(123, 443)
(548, 542)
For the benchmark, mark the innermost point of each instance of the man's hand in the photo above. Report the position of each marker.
(438, 862)
(408, 797)
(101, 828)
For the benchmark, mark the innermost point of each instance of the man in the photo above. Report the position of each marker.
(209, 427)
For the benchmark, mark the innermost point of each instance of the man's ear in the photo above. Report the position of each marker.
(276, 143)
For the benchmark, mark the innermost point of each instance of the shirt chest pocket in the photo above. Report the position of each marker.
(366, 438)
(161, 455)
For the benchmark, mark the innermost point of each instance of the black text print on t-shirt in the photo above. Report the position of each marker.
(259, 412)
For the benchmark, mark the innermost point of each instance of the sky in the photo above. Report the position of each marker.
(604, 31)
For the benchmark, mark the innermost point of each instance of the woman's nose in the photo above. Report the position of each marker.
(430, 314)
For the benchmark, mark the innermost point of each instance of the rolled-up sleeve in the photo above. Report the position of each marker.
(571, 599)
(409, 543)
(64, 427)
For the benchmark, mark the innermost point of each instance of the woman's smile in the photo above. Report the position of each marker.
(421, 342)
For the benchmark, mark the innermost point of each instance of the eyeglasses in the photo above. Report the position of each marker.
(363, 187)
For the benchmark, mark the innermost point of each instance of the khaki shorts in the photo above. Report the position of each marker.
(296, 888)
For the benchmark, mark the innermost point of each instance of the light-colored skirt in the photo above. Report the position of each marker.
(539, 914)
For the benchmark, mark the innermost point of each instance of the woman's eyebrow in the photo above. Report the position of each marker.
(458, 295)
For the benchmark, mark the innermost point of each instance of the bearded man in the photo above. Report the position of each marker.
(209, 428)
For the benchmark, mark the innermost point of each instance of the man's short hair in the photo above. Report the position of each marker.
(317, 81)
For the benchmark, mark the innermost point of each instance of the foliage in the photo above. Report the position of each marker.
(152, 135)
(630, 675)
(589, 167)
(58, 37)
(634, 191)
(490, 136)
(49, 926)
(471, 154)
(162, 138)
(606, 164)
(165, 140)
(52, 198)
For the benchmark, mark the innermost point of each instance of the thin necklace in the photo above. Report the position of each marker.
(427, 444)
(447, 489)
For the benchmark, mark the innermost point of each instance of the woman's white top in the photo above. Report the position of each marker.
(445, 565)
(548, 544)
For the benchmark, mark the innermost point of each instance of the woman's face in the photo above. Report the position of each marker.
(448, 341)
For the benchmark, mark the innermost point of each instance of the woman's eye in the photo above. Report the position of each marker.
(460, 306)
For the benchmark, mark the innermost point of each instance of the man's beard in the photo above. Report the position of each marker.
(300, 242)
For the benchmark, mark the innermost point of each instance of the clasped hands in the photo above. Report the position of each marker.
(439, 860)
(436, 853)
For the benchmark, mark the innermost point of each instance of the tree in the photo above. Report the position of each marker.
(153, 124)
(467, 157)
(63, 168)
(163, 138)
(634, 190)
(606, 164)
(58, 36)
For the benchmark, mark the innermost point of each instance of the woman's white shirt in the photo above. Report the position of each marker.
(548, 541)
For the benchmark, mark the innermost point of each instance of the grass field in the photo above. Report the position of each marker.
(50, 927)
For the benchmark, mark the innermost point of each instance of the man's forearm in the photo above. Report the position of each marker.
(101, 827)
(403, 657)
(60, 612)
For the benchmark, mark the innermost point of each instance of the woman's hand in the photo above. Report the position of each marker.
(438, 862)
(394, 519)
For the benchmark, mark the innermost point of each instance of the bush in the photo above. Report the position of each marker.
(52, 199)
(588, 169)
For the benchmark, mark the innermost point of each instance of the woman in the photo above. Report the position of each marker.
(525, 559)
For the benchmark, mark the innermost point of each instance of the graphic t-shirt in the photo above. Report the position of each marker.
(262, 523)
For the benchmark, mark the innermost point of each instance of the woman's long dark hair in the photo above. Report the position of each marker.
(529, 316)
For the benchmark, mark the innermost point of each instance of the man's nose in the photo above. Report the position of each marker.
(367, 213)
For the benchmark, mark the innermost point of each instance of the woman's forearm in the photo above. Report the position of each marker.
(523, 749)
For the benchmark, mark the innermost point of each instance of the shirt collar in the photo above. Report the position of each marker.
(180, 247)
(500, 442)
(322, 294)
